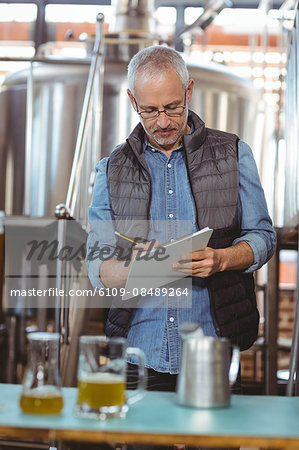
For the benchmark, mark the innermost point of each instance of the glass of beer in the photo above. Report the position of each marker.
(102, 377)
(41, 393)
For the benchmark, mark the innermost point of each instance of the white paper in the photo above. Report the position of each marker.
(151, 273)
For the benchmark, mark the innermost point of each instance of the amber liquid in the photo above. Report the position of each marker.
(46, 400)
(101, 389)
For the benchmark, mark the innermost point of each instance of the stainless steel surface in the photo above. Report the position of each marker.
(291, 212)
(291, 128)
(297, 324)
(211, 10)
(81, 158)
(69, 312)
(28, 140)
(206, 373)
(134, 15)
(44, 149)
(11, 357)
(223, 100)
(293, 382)
(60, 276)
(78, 160)
(3, 150)
(271, 305)
(57, 101)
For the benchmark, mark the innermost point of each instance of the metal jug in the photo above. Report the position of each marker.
(207, 369)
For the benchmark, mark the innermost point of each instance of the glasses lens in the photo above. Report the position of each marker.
(149, 115)
(175, 112)
(169, 112)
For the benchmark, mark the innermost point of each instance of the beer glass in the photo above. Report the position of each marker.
(41, 393)
(102, 377)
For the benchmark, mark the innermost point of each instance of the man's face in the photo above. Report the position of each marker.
(159, 93)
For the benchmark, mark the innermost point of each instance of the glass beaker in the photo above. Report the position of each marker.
(102, 377)
(41, 393)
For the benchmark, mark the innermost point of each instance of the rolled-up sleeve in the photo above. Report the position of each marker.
(101, 240)
(255, 222)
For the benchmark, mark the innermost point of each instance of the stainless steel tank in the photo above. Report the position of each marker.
(222, 100)
(3, 117)
(57, 102)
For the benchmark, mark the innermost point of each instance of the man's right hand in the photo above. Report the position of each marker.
(114, 272)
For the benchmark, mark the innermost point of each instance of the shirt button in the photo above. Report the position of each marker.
(170, 191)
(171, 216)
(171, 319)
(169, 165)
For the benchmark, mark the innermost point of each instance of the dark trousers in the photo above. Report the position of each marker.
(158, 381)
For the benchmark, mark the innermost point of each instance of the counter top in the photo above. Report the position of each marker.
(262, 421)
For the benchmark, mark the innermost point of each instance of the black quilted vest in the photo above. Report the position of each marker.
(212, 165)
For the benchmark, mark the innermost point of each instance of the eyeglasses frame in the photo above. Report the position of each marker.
(158, 112)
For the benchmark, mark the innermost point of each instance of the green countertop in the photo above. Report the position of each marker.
(248, 420)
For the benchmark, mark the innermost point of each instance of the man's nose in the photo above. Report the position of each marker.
(163, 120)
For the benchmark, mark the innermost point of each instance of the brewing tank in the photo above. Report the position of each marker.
(221, 99)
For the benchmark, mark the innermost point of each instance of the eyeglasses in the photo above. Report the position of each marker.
(154, 113)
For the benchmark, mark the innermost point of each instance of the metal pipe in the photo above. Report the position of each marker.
(29, 116)
(60, 272)
(297, 302)
(11, 346)
(293, 369)
(60, 61)
(66, 305)
(63, 212)
(287, 5)
(79, 149)
(211, 9)
(134, 15)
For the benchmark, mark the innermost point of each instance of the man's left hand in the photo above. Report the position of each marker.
(206, 262)
(200, 263)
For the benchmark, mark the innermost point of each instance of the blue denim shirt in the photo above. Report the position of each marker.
(154, 328)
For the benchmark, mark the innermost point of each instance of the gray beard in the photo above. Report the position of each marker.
(162, 143)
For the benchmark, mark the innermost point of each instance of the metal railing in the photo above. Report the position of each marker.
(65, 211)
(86, 150)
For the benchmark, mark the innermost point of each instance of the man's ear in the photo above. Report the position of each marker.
(189, 91)
(131, 97)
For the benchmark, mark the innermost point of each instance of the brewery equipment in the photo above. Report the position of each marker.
(46, 127)
(222, 99)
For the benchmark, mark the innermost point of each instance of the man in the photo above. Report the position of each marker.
(171, 177)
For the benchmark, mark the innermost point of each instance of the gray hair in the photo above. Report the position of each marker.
(154, 60)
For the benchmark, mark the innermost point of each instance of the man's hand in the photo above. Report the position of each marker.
(114, 273)
(203, 263)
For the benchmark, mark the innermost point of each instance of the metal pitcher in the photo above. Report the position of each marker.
(208, 369)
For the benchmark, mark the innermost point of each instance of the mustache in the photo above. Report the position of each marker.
(165, 129)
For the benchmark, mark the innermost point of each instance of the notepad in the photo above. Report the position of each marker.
(154, 272)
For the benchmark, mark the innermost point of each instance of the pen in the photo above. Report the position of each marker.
(125, 237)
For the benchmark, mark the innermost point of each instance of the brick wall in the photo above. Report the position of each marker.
(252, 359)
